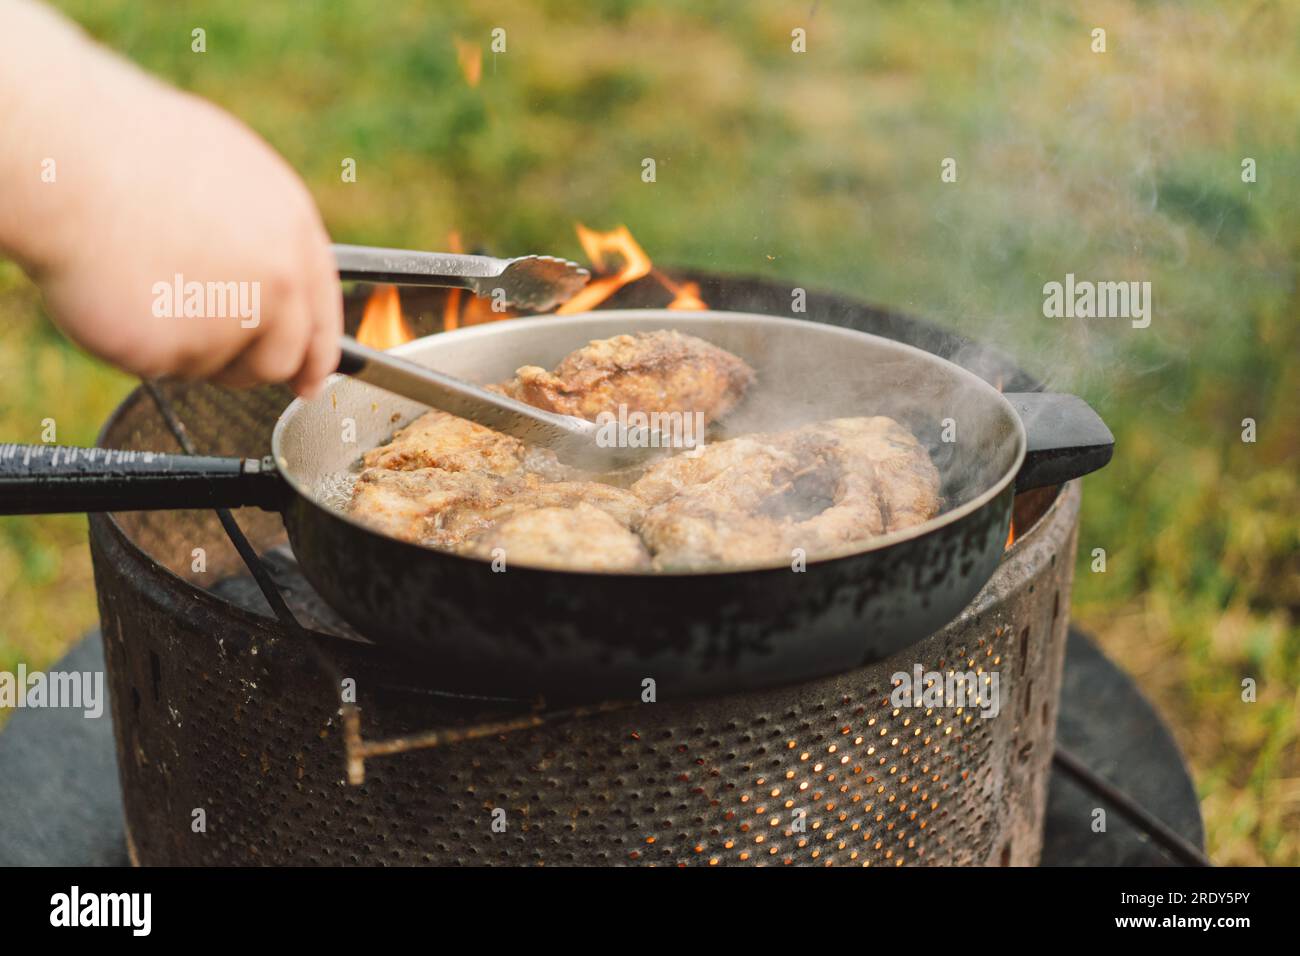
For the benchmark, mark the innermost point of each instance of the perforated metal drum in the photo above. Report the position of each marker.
(219, 708)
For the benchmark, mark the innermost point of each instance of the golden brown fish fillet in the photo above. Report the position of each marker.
(760, 499)
(449, 503)
(731, 506)
(764, 498)
(581, 536)
(441, 440)
(662, 371)
(906, 481)
(448, 509)
(427, 505)
(683, 541)
(727, 461)
(620, 504)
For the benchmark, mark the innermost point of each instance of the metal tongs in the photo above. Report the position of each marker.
(533, 282)
(538, 283)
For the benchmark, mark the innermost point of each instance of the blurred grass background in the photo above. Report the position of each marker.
(824, 167)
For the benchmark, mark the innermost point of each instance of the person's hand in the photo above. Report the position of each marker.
(186, 191)
(158, 192)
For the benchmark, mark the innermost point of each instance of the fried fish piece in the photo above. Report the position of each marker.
(582, 537)
(449, 510)
(620, 504)
(664, 371)
(759, 499)
(441, 440)
(734, 504)
(706, 540)
(427, 505)
(820, 488)
(906, 481)
(745, 460)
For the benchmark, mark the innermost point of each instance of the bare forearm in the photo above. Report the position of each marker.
(112, 182)
(58, 93)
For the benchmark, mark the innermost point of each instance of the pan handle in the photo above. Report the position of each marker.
(55, 479)
(1067, 439)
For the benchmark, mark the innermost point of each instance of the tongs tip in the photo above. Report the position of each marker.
(538, 282)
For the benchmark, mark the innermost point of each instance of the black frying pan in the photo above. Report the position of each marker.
(569, 634)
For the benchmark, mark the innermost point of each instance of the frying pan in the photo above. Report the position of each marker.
(572, 635)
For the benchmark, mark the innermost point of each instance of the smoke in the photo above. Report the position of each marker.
(1064, 178)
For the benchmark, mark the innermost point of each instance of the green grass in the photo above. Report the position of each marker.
(824, 167)
(45, 586)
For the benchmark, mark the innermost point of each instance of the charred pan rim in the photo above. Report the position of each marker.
(749, 318)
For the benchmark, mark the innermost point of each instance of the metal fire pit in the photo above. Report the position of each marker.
(232, 750)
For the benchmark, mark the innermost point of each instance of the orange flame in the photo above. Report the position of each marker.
(479, 310)
(469, 56)
(685, 296)
(600, 248)
(476, 310)
(382, 325)
(606, 251)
